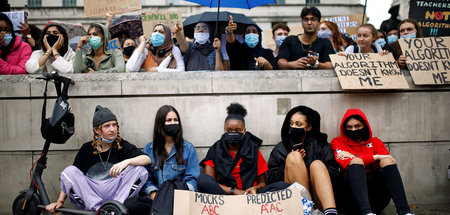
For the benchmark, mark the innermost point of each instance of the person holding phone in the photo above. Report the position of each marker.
(55, 53)
(304, 156)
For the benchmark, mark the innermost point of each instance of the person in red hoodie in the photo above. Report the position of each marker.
(14, 53)
(371, 174)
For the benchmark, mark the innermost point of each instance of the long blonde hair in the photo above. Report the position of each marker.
(97, 140)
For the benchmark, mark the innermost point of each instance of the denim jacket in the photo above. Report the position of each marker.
(188, 172)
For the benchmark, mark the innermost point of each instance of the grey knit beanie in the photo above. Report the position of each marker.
(102, 115)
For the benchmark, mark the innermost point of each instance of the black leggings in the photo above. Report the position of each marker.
(208, 184)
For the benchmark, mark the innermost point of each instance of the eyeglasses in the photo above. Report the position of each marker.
(312, 19)
(203, 28)
(6, 30)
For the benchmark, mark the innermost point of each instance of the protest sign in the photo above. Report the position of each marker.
(368, 71)
(286, 201)
(114, 44)
(150, 19)
(432, 16)
(347, 24)
(428, 59)
(98, 8)
(16, 18)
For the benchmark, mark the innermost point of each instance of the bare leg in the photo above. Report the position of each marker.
(321, 185)
(295, 170)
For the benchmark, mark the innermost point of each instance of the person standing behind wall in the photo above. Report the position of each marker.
(279, 32)
(306, 51)
(329, 30)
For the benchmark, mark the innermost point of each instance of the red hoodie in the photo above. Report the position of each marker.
(365, 150)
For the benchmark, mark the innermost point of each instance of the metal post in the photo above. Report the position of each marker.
(216, 32)
(364, 13)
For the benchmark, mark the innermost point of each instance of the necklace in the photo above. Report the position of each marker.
(106, 162)
(305, 50)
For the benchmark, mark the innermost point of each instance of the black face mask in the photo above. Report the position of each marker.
(356, 135)
(128, 51)
(232, 138)
(172, 129)
(296, 134)
(51, 39)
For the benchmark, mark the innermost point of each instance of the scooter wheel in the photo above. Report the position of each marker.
(112, 207)
(21, 208)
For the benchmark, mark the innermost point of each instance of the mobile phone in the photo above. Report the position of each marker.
(298, 146)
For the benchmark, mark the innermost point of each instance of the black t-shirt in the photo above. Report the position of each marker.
(85, 157)
(240, 59)
(292, 49)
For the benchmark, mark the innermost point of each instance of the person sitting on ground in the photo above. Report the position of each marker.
(204, 52)
(106, 168)
(250, 55)
(128, 46)
(14, 53)
(371, 174)
(101, 59)
(161, 55)
(306, 51)
(279, 32)
(329, 30)
(365, 37)
(304, 156)
(55, 53)
(236, 144)
(172, 157)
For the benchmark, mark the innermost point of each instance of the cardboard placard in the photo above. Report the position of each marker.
(347, 24)
(98, 8)
(16, 18)
(368, 71)
(151, 18)
(428, 59)
(286, 201)
(114, 44)
(432, 16)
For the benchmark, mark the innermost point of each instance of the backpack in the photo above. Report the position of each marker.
(61, 125)
(163, 202)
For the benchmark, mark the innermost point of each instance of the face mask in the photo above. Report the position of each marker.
(128, 51)
(409, 36)
(7, 39)
(279, 40)
(172, 129)
(232, 138)
(157, 39)
(356, 135)
(94, 42)
(392, 39)
(325, 34)
(51, 39)
(201, 38)
(109, 141)
(381, 42)
(251, 40)
(296, 134)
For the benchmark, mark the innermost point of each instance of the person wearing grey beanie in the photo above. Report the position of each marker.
(109, 165)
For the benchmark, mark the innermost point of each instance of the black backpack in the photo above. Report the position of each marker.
(163, 202)
(61, 125)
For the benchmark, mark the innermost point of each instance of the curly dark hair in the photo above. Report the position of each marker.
(61, 30)
(311, 10)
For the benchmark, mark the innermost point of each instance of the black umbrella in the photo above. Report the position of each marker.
(210, 18)
(130, 24)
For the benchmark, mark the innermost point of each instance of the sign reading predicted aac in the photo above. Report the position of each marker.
(428, 59)
(98, 8)
(368, 71)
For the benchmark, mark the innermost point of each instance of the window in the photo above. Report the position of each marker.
(281, 1)
(313, 1)
(69, 3)
(34, 3)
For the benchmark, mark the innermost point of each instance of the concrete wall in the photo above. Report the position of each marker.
(414, 123)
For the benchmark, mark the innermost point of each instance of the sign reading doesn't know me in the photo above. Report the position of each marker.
(368, 71)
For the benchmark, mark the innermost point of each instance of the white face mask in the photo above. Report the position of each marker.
(201, 38)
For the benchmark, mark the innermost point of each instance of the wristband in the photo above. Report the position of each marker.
(46, 53)
(232, 190)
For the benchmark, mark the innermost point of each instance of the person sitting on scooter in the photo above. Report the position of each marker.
(99, 171)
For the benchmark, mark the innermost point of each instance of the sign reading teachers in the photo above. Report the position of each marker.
(368, 71)
(98, 8)
(432, 16)
(428, 59)
(286, 201)
(150, 19)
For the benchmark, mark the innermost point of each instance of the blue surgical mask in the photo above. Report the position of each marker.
(95, 42)
(157, 39)
(251, 40)
(109, 141)
(7, 39)
(279, 40)
(381, 42)
(201, 38)
(325, 34)
(392, 38)
(409, 36)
